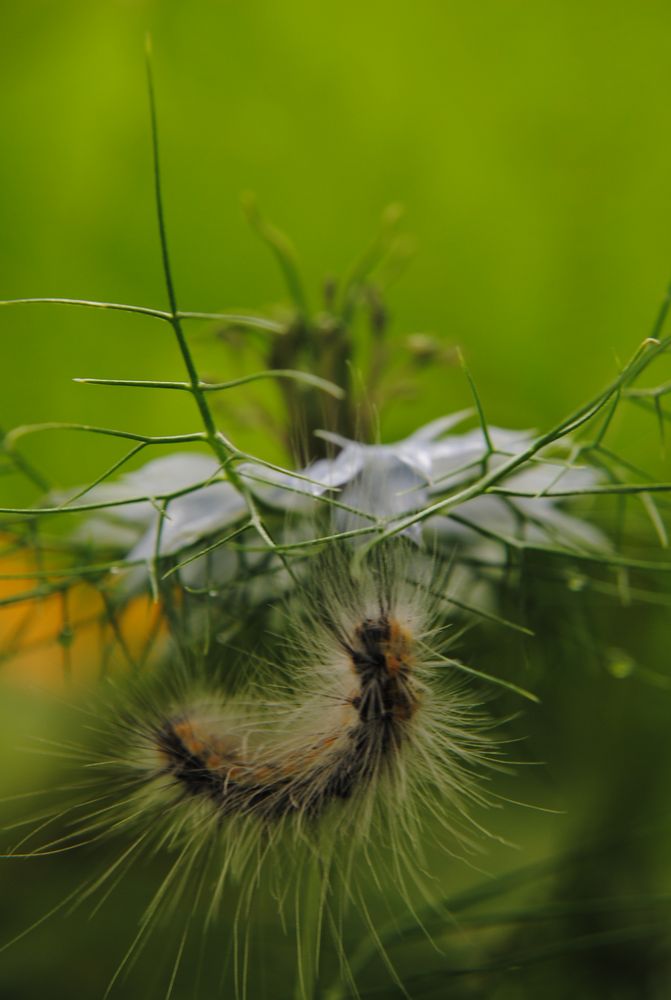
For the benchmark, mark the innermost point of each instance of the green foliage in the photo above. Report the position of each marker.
(527, 147)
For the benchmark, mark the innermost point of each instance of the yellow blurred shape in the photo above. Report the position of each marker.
(68, 632)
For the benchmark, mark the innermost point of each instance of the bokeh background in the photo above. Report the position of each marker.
(530, 147)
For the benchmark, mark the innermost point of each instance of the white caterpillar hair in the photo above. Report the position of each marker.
(361, 712)
(360, 731)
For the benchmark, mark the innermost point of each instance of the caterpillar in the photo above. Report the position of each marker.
(366, 706)
(337, 751)
(367, 728)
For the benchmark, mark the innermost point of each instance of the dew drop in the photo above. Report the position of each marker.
(620, 664)
(577, 582)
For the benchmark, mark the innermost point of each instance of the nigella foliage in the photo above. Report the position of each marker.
(286, 706)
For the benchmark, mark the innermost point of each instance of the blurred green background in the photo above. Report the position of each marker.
(530, 145)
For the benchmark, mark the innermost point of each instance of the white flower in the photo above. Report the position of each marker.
(384, 482)
(371, 485)
(202, 511)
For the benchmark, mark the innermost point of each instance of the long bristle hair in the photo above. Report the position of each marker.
(343, 744)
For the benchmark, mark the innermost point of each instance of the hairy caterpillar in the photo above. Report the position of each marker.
(363, 709)
(339, 751)
(358, 735)
(371, 728)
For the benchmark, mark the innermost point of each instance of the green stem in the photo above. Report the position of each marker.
(571, 423)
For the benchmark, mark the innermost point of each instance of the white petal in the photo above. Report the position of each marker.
(156, 478)
(537, 520)
(280, 488)
(454, 459)
(429, 432)
(387, 488)
(192, 517)
(488, 512)
(550, 478)
(334, 472)
(170, 473)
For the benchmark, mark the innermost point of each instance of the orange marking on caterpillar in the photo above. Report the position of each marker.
(272, 781)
